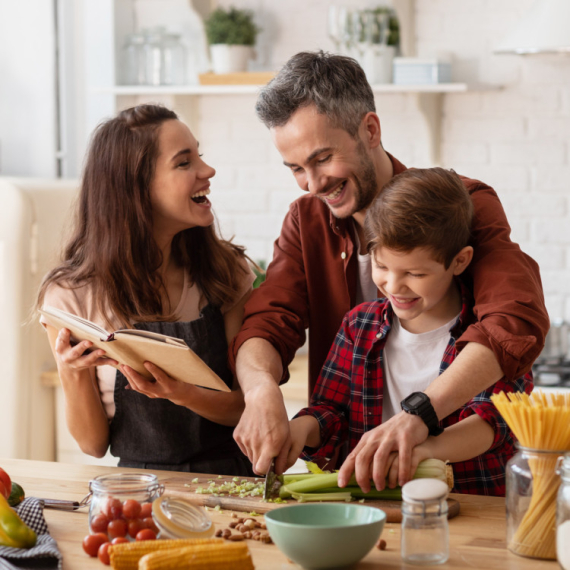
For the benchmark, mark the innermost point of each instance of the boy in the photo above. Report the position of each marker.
(388, 351)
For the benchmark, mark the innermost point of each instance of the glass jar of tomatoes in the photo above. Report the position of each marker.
(121, 504)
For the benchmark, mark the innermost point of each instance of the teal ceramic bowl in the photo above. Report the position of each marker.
(325, 535)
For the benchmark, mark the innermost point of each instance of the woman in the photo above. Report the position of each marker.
(145, 254)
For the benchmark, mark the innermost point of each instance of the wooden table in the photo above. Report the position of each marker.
(477, 535)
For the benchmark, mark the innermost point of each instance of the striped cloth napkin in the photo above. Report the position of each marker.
(45, 555)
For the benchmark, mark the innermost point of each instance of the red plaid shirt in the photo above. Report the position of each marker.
(348, 397)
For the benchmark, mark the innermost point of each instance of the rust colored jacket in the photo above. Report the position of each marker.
(312, 280)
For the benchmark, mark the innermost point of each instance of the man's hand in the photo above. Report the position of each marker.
(373, 456)
(263, 430)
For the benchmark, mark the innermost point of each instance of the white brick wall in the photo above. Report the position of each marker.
(516, 138)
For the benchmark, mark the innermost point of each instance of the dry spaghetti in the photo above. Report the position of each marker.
(540, 422)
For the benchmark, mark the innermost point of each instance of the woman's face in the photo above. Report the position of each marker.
(181, 182)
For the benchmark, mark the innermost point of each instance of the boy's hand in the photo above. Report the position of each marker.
(419, 453)
(372, 456)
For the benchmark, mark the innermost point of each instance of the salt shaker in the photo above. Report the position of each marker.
(563, 513)
(425, 531)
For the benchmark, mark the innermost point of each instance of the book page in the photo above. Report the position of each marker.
(62, 319)
(153, 336)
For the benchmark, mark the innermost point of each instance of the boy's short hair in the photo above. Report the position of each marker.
(335, 84)
(421, 207)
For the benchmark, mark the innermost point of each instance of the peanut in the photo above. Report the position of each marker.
(236, 537)
(381, 544)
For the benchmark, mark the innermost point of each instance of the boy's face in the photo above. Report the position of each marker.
(418, 287)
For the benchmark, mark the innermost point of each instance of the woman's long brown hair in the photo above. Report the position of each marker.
(112, 248)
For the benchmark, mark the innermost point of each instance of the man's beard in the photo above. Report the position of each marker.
(365, 181)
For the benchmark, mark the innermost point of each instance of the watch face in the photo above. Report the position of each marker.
(415, 400)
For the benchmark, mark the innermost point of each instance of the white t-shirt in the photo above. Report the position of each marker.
(80, 302)
(411, 362)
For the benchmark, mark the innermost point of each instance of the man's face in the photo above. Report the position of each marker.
(327, 162)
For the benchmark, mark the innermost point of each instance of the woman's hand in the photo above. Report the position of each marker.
(75, 358)
(162, 386)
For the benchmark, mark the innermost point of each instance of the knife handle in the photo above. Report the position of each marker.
(61, 505)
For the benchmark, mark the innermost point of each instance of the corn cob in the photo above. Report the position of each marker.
(234, 555)
(126, 556)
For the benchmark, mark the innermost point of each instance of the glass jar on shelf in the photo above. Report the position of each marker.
(531, 488)
(173, 60)
(563, 513)
(425, 530)
(133, 70)
(123, 500)
(153, 55)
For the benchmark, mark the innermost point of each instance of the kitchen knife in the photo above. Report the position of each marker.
(272, 484)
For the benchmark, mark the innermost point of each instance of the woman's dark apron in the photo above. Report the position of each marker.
(149, 433)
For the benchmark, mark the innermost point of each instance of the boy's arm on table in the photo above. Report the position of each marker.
(319, 429)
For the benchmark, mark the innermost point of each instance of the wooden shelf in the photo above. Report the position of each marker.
(243, 89)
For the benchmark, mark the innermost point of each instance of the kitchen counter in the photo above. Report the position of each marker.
(477, 535)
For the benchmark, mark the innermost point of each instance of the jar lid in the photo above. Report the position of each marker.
(125, 483)
(424, 490)
(180, 518)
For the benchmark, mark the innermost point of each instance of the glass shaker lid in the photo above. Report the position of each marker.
(424, 490)
(180, 518)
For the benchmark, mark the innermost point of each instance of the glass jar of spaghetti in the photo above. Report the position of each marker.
(563, 513)
(532, 485)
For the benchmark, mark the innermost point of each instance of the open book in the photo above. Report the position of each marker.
(133, 347)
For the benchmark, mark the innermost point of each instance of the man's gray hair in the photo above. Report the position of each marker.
(335, 84)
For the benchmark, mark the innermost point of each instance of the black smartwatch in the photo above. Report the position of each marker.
(419, 404)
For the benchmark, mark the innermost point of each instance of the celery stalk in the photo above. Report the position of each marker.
(312, 497)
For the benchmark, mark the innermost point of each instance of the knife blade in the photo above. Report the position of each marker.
(271, 487)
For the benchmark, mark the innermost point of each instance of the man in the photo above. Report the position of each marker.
(321, 114)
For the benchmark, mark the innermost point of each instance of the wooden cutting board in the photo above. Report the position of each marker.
(181, 485)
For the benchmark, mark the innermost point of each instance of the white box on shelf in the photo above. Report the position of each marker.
(416, 71)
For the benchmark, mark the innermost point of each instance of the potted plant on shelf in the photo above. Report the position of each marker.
(231, 34)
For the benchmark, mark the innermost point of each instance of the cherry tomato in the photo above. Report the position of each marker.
(131, 509)
(99, 523)
(146, 534)
(4, 491)
(146, 510)
(118, 527)
(134, 526)
(7, 483)
(149, 523)
(119, 540)
(92, 542)
(103, 553)
(113, 508)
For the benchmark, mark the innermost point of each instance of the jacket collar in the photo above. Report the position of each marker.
(340, 226)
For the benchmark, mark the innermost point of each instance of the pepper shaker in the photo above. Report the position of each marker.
(425, 531)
